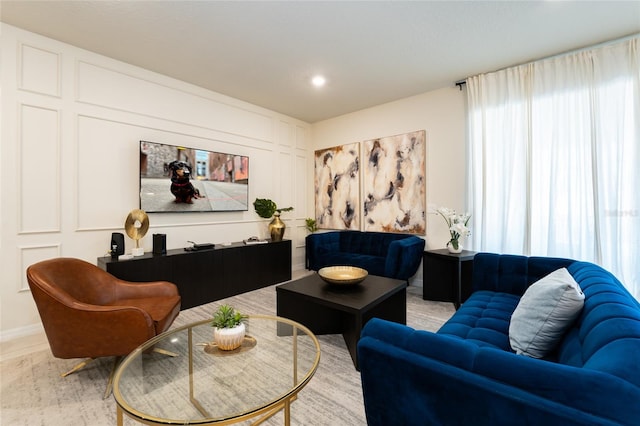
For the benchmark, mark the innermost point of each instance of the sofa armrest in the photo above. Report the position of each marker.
(409, 375)
(403, 257)
(317, 244)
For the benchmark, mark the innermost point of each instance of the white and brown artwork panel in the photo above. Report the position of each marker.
(394, 184)
(337, 187)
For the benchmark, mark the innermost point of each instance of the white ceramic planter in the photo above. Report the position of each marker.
(228, 339)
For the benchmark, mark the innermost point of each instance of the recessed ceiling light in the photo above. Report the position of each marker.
(318, 81)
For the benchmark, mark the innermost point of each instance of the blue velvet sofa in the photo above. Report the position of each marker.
(467, 373)
(380, 253)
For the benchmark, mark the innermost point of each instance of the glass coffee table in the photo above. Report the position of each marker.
(179, 377)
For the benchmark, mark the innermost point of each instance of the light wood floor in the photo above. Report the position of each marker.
(33, 393)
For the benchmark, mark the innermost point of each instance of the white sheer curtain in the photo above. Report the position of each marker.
(554, 159)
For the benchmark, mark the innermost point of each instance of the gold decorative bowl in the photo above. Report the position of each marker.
(343, 275)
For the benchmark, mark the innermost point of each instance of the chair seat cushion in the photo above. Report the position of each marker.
(163, 310)
(484, 319)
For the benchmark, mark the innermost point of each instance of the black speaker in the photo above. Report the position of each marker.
(117, 244)
(159, 244)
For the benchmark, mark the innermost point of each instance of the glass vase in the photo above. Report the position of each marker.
(452, 249)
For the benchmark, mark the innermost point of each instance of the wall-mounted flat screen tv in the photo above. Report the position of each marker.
(180, 179)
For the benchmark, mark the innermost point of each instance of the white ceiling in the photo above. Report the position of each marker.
(266, 52)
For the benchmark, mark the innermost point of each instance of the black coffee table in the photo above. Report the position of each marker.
(333, 309)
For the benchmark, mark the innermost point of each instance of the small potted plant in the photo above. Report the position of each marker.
(311, 224)
(229, 329)
(266, 208)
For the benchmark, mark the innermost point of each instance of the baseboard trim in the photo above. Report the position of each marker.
(20, 332)
(22, 341)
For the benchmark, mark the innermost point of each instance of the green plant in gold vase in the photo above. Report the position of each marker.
(266, 208)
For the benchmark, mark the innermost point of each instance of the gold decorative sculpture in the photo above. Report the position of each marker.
(136, 225)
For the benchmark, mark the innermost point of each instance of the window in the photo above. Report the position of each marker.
(554, 154)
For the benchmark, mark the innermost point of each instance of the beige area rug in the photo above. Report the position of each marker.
(33, 393)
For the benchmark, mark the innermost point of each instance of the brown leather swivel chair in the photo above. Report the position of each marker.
(88, 313)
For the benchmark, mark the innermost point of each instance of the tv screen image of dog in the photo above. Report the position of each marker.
(180, 179)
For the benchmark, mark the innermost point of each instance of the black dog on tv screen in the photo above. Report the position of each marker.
(181, 187)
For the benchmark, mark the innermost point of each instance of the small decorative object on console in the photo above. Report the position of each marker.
(343, 275)
(159, 243)
(254, 240)
(117, 244)
(229, 329)
(201, 246)
(266, 208)
(136, 225)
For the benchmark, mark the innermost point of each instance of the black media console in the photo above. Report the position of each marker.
(204, 276)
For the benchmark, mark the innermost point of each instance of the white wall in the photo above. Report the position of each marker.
(71, 125)
(442, 114)
(71, 122)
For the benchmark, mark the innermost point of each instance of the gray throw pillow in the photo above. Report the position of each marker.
(545, 312)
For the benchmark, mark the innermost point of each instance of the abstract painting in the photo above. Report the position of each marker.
(337, 187)
(394, 184)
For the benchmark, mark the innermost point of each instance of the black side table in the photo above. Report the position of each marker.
(447, 276)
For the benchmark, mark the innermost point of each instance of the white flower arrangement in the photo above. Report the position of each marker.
(457, 225)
